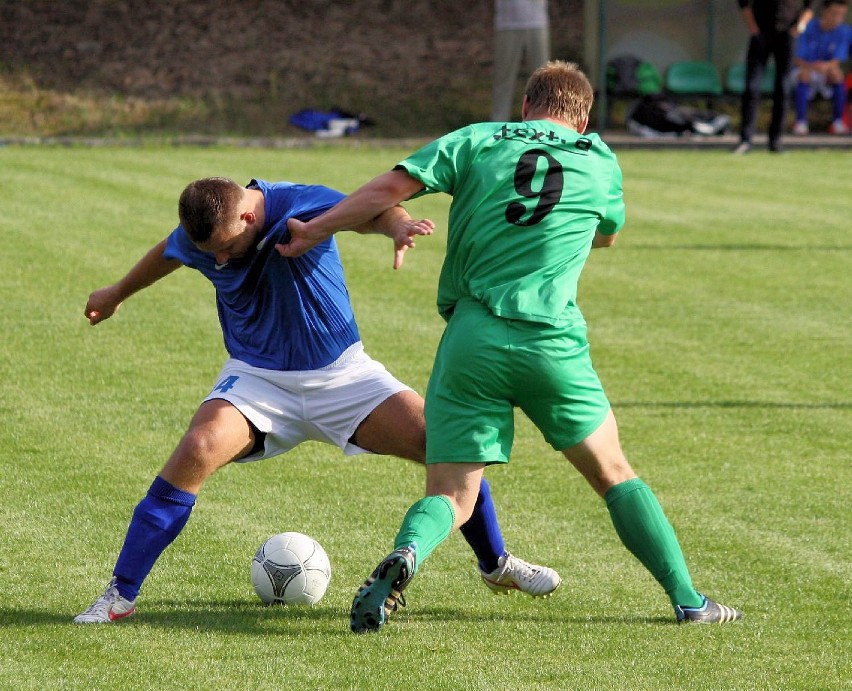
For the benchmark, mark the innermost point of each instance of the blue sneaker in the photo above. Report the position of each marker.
(381, 593)
(709, 613)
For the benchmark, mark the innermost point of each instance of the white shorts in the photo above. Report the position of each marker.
(325, 404)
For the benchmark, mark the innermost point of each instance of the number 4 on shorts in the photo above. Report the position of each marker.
(226, 384)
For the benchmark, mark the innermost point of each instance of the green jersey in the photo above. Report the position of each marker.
(527, 200)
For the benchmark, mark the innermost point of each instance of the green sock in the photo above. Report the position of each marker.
(427, 523)
(644, 529)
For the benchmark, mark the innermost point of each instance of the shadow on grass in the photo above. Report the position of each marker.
(238, 616)
(769, 405)
(743, 247)
(535, 616)
(233, 616)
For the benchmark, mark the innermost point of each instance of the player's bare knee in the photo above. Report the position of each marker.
(197, 444)
(463, 515)
(463, 504)
(615, 476)
(202, 450)
(616, 468)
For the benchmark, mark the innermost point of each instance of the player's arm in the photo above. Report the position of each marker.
(361, 207)
(397, 224)
(104, 302)
(613, 217)
(601, 240)
(804, 18)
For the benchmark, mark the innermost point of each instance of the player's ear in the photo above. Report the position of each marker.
(525, 107)
(581, 128)
(248, 216)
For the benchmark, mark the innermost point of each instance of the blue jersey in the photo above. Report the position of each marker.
(279, 313)
(814, 44)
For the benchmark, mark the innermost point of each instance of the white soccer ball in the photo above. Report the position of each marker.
(291, 569)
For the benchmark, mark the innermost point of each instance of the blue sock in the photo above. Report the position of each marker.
(157, 521)
(803, 92)
(839, 100)
(482, 531)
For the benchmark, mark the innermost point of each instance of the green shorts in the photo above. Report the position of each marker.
(486, 366)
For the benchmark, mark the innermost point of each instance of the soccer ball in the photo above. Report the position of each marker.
(291, 569)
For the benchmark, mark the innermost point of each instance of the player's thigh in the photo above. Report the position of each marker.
(803, 75)
(834, 75)
(396, 427)
(217, 435)
(556, 384)
(469, 411)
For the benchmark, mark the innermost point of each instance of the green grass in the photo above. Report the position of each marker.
(720, 325)
(30, 110)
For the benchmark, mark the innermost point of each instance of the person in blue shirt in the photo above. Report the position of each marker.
(296, 371)
(820, 50)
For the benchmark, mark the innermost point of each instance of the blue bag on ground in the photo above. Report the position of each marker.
(328, 123)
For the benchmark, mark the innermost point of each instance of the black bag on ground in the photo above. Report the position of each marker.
(658, 116)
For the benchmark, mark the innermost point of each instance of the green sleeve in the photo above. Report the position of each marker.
(613, 217)
(438, 164)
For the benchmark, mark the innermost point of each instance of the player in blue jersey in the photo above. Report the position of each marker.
(297, 370)
(820, 51)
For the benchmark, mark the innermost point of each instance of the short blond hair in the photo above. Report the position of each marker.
(562, 91)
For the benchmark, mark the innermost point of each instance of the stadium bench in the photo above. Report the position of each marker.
(693, 79)
(735, 79)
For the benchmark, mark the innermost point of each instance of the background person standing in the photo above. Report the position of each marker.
(773, 26)
(521, 34)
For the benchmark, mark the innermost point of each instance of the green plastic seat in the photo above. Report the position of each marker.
(693, 78)
(735, 78)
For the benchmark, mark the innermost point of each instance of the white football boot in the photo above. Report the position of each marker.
(516, 574)
(108, 608)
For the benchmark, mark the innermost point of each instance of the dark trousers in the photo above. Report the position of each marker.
(778, 44)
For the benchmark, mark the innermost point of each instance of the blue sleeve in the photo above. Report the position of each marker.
(314, 200)
(180, 247)
(803, 43)
(841, 52)
(286, 200)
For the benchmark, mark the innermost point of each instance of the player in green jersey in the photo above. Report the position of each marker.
(530, 200)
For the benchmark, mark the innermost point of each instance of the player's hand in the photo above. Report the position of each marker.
(403, 237)
(102, 304)
(302, 238)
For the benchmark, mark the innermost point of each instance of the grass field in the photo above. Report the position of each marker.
(720, 325)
